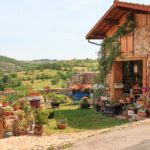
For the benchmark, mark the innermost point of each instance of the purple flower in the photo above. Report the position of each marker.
(144, 89)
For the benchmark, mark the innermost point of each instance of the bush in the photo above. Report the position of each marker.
(55, 80)
(41, 116)
(58, 98)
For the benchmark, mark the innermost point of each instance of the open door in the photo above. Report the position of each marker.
(118, 87)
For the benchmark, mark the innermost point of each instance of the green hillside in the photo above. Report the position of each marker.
(11, 65)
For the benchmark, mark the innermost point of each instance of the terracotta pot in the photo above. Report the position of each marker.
(15, 108)
(125, 114)
(8, 113)
(61, 126)
(128, 100)
(23, 132)
(38, 129)
(141, 114)
(5, 104)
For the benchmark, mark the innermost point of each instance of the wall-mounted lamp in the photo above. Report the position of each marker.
(135, 68)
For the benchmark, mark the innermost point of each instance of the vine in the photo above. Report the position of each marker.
(111, 46)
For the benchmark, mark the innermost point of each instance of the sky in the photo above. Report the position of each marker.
(50, 29)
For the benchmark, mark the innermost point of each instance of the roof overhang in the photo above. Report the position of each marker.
(112, 17)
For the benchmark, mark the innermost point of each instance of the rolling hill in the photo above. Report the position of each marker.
(11, 65)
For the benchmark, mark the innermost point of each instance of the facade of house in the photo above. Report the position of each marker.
(134, 51)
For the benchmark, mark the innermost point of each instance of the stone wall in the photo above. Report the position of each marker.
(142, 40)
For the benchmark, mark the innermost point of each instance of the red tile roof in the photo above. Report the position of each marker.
(116, 11)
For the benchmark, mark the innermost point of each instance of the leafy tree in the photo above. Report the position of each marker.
(55, 80)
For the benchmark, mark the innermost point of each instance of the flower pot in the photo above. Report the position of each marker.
(15, 108)
(5, 104)
(23, 132)
(55, 105)
(8, 113)
(61, 126)
(8, 134)
(125, 114)
(38, 129)
(141, 113)
(85, 106)
(130, 112)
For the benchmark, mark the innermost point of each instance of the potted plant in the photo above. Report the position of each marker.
(15, 129)
(8, 111)
(41, 117)
(16, 106)
(5, 102)
(21, 114)
(125, 111)
(31, 120)
(61, 121)
(55, 101)
(84, 103)
(131, 110)
(8, 131)
(23, 126)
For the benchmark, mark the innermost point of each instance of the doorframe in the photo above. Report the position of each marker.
(132, 58)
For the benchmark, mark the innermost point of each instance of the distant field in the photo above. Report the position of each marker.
(29, 78)
(39, 84)
(34, 73)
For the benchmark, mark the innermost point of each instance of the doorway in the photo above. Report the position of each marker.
(132, 74)
(127, 73)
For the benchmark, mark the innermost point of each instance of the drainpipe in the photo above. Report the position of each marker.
(94, 43)
(97, 44)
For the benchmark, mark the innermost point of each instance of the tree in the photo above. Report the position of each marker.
(55, 80)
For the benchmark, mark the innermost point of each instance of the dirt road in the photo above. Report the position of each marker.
(132, 138)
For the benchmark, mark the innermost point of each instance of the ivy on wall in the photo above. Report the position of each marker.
(111, 46)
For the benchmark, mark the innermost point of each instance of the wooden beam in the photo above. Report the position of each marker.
(112, 21)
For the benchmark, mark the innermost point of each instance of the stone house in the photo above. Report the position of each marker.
(86, 78)
(134, 50)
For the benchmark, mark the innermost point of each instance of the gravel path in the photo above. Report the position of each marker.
(116, 138)
(125, 139)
